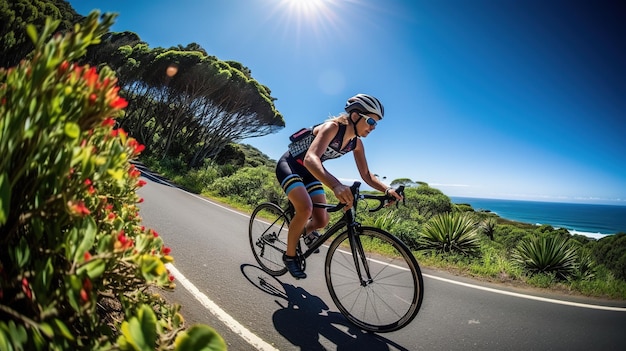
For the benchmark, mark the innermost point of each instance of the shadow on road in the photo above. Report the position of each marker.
(306, 320)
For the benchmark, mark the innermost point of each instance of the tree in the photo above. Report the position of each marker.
(402, 181)
(195, 113)
(16, 14)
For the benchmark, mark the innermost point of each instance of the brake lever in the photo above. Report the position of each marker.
(399, 191)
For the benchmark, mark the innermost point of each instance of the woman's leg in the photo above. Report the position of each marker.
(320, 216)
(301, 201)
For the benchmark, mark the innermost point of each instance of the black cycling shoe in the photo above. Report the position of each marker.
(310, 239)
(293, 265)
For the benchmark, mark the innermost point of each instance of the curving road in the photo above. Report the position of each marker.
(219, 284)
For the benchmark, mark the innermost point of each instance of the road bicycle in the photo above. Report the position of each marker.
(373, 278)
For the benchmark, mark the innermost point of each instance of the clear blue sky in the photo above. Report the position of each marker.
(499, 99)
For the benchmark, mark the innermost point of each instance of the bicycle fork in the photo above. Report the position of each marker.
(358, 254)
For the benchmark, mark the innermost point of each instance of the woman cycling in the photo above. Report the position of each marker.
(301, 173)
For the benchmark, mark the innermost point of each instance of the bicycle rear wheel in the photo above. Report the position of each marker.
(268, 230)
(390, 296)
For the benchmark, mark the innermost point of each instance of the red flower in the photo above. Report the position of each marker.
(92, 99)
(119, 102)
(87, 256)
(78, 208)
(84, 295)
(91, 76)
(166, 250)
(137, 148)
(63, 67)
(108, 122)
(141, 183)
(134, 173)
(26, 288)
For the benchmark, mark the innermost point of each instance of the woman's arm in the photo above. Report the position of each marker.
(366, 175)
(324, 134)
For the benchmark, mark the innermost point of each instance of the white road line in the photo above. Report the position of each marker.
(529, 297)
(229, 321)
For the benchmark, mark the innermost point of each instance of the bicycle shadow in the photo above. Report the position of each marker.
(306, 320)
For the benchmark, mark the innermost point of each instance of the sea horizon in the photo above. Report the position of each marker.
(591, 220)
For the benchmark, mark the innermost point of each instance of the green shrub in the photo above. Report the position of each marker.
(75, 262)
(546, 254)
(451, 233)
(611, 252)
(250, 186)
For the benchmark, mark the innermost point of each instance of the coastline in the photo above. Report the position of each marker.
(591, 220)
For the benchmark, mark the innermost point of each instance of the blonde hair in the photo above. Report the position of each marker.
(342, 118)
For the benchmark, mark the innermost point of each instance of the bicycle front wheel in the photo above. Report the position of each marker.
(268, 237)
(385, 292)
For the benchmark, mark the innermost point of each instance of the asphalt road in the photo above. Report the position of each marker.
(219, 284)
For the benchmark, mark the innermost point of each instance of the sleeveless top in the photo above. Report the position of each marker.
(333, 150)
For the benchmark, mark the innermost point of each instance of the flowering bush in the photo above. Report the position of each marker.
(75, 263)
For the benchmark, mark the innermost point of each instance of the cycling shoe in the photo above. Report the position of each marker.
(293, 265)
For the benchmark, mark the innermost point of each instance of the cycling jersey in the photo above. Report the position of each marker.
(299, 148)
(290, 169)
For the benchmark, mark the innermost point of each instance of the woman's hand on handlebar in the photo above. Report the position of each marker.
(344, 195)
(393, 196)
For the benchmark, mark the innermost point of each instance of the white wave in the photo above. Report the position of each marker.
(590, 235)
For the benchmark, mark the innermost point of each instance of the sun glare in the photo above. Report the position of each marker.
(305, 7)
(307, 18)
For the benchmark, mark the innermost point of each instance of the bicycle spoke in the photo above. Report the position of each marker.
(268, 235)
(391, 298)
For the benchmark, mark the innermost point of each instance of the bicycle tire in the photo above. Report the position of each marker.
(394, 296)
(268, 229)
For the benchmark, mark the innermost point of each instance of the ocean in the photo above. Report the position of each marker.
(586, 219)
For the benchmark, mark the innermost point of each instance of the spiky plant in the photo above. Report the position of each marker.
(546, 254)
(488, 227)
(451, 233)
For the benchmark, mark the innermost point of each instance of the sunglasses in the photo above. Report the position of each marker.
(371, 121)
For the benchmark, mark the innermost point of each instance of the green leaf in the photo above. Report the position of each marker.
(93, 268)
(63, 329)
(46, 329)
(139, 333)
(21, 253)
(201, 338)
(4, 339)
(72, 130)
(88, 229)
(32, 32)
(5, 197)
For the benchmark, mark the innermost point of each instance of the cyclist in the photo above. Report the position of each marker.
(301, 173)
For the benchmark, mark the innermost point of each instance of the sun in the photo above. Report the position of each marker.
(306, 8)
(301, 17)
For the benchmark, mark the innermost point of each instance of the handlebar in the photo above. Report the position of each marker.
(383, 199)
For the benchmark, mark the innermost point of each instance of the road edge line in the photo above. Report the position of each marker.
(529, 297)
(224, 317)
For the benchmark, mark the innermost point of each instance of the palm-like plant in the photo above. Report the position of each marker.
(547, 254)
(386, 221)
(451, 233)
(488, 227)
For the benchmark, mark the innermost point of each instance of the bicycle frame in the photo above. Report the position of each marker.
(348, 221)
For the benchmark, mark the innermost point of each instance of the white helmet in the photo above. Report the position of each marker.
(366, 104)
